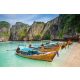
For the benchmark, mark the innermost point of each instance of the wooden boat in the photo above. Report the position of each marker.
(69, 42)
(48, 56)
(54, 48)
(64, 45)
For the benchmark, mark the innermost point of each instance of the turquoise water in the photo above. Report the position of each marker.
(9, 59)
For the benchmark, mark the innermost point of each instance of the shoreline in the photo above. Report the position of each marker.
(41, 40)
(73, 58)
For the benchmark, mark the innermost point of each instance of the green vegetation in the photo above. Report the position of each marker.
(22, 33)
(47, 36)
(4, 24)
(5, 34)
(60, 34)
(70, 24)
(4, 30)
(39, 22)
(37, 37)
(78, 30)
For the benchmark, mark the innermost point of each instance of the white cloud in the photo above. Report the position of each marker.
(12, 18)
(26, 18)
(43, 19)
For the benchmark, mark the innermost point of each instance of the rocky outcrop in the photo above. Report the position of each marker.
(58, 28)
(40, 30)
(51, 29)
(19, 31)
(36, 30)
(65, 25)
(69, 25)
(4, 31)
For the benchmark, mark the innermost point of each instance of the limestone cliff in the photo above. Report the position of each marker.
(36, 31)
(51, 29)
(4, 31)
(19, 31)
(40, 30)
(58, 28)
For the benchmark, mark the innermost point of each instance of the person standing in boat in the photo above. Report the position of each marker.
(30, 46)
(18, 50)
(42, 46)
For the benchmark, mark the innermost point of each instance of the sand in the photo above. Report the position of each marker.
(73, 59)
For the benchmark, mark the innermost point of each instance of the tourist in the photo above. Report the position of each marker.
(18, 50)
(42, 46)
(30, 46)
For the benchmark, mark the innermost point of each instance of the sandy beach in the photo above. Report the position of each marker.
(73, 59)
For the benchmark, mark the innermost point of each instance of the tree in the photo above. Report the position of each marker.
(4, 24)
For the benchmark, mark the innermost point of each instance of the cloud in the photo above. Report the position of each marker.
(26, 18)
(43, 19)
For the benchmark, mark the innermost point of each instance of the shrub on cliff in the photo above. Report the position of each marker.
(22, 33)
(70, 23)
(47, 37)
(37, 37)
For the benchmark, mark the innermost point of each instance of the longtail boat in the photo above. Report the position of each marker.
(48, 56)
(54, 48)
(64, 45)
(69, 42)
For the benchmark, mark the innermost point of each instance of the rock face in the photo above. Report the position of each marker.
(51, 29)
(40, 30)
(65, 25)
(4, 31)
(19, 31)
(69, 25)
(58, 28)
(36, 31)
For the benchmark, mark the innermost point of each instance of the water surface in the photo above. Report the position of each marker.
(8, 57)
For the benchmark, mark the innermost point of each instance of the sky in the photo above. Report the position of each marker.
(26, 18)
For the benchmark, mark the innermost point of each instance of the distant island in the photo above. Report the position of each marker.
(60, 28)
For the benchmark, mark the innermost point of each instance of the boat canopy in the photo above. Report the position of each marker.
(27, 49)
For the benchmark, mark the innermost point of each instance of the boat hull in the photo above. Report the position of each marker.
(51, 49)
(46, 57)
(64, 45)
